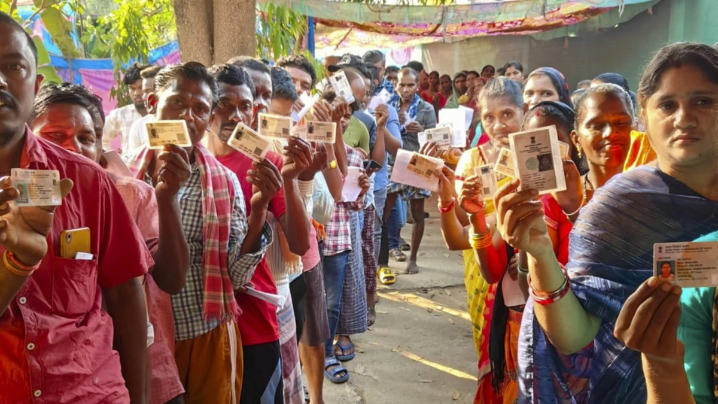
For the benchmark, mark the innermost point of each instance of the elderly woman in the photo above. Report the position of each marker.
(567, 350)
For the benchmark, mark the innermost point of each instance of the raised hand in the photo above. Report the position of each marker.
(320, 161)
(470, 197)
(364, 183)
(447, 178)
(571, 199)
(24, 230)
(266, 181)
(297, 158)
(648, 322)
(382, 115)
(173, 173)
(341, 110)
(414, 127)
(520, 219)
(430, 149)
(322, 112)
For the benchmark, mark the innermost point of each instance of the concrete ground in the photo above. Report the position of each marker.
(420, 350)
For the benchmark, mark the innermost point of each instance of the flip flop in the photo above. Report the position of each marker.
(344, 348)
(338, 368)
(397, 255)
(404, 246)
(386, 276)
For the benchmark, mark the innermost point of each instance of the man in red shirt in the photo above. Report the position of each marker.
(258, 323)
(56, 340)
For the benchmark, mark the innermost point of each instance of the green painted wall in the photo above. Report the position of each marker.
(624, 49)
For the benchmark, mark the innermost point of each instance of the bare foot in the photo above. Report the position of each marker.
(411, 268)
(375, 297)
(370, 316)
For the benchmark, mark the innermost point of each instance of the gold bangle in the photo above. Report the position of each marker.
(481, 243)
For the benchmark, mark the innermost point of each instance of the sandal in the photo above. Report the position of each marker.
(403, 245)
(343, 348)
(338, 368)
(386, 276)
(397, 255)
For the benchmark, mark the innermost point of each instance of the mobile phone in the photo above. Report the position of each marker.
(371, 165)
(75, 241)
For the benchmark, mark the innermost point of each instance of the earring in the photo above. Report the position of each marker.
(578, 151)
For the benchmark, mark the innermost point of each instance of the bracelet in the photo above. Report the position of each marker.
(522, 271)
(544, 298)
(583, 203)
(16, 267)
(481, 240)
(448, 208)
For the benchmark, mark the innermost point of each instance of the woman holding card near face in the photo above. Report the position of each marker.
(611, 248)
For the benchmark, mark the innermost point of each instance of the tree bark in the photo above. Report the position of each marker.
(213, 31)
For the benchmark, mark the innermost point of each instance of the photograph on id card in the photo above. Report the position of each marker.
(36, 187)
(488, 181)
(537, 160)
(416, 170)
(687, 264)
(321, 132)
(275, 126)
(248, 142)
(161, 133)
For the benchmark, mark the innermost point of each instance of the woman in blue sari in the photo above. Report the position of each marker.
(567, 350)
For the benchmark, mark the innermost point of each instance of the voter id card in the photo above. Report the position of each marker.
(37, 187)
(421, 165)
(687, 264)
(341, 86)
(320, 132)
(161, 133)
(275, 126)
(248, 142)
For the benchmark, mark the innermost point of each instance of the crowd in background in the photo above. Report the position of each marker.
(217, 278)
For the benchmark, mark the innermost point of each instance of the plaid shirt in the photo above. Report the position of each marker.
(338, 230)
(385, 85)
(187, 305)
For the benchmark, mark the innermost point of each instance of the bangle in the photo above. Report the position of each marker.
(583, 202)
(16, 267)
(544, 298)
(521, 270)
(482, 240)
(449, 207)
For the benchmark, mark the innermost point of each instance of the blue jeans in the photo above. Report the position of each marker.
(335, 269)
(379, 203)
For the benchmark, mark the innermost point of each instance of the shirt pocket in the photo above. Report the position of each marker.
(74, 286)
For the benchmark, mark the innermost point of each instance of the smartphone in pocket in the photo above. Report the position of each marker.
(75, 241)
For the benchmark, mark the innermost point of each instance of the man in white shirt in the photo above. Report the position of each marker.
(119, 121)
(137, 137)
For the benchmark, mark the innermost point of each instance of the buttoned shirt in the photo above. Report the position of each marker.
(115, 135)
(55, 338)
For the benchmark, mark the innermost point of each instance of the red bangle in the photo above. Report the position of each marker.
(544, 299)
(448, 208)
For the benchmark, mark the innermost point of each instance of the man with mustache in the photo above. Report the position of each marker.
(55, 337)
(119, 121)
(262, 79)
(226, 244)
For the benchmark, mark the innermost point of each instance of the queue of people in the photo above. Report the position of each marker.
(209, 277)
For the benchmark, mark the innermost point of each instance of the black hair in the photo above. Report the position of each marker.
(459, 74)
(409, 70)
(576, 94)
(416, 65)
(301, 63)
(435, 73)
(150, 71)
(487, 66)
(699, 55)
(250, 63)
(7, 19)
(66, 93)
(447, 76)
(190, 70)
(565, 117)
(373, 56)
(282, 85)
(613, 78)
(391, 69)
(503, 87)
(474, 72)
(602, 89)
(132, 74)
(232, 75)
(516, 65)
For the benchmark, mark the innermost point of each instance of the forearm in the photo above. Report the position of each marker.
(566, 323)
(294, 222)
(392, 144)
(340, 152)
(378, 153)
(666, 383)
(172, 255)
(255, 227)
(335, 183)
(10, 285)
(492, 259)
(126, 305)
(455, 235)
(523, 279)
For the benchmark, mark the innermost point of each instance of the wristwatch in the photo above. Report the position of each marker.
(333, 164)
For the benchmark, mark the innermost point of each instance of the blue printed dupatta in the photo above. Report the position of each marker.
(611, 254)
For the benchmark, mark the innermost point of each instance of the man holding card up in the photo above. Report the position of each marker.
(225, 244)
(54, 332)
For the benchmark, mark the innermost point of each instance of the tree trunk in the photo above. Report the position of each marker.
(213, 31)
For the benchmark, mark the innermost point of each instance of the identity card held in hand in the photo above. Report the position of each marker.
(37, 187)
(161, 133)
(248, 142)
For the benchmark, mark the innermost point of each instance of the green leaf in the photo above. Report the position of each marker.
(49, 73)
(60, 29)
(43, 57)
